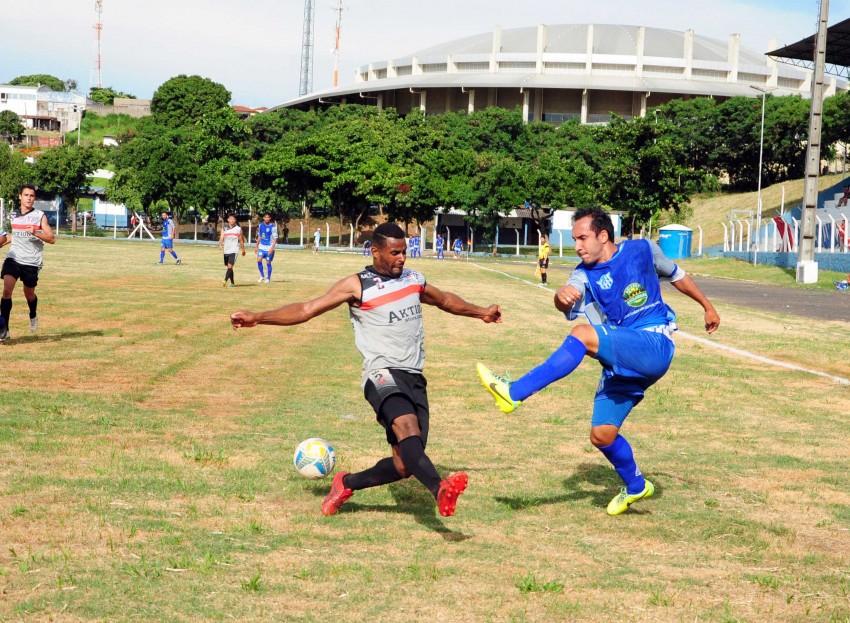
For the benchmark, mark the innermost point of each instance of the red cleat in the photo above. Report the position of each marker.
(338, 496)
(450, 489)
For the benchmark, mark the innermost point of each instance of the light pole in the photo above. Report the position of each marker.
(764, 93)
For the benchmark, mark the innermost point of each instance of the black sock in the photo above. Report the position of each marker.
(417, 462)
(33, 307)
(544, 277)
(6, 309)
(383, 473)
(229, 275)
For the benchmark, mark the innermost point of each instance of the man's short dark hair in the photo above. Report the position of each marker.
(600, 220)
(227, 218)
(384, 231)
(25, 186)
(265, 214)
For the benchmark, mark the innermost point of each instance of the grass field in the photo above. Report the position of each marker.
(146, 461)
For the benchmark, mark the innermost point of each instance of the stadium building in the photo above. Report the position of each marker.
(566, 71)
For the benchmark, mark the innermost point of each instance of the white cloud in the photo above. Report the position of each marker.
(253, 47)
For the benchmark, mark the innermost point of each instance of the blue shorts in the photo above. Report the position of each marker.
(263, 254)
(167, 243)
(632, 360)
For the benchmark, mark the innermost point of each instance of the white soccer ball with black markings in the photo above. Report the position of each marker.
(314, 458)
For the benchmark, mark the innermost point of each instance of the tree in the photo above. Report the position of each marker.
(14, 173)
(37, 80)
(11, 127)
(64, 171)
(184, 100)
(107, 95)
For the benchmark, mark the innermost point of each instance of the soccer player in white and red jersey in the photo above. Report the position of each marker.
(30, 231)
(230, 242)
(385, 305)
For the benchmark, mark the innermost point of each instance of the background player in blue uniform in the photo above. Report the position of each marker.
(617, 288)
(168, 228)
(441, 245)
(266, 243)
(457, 247)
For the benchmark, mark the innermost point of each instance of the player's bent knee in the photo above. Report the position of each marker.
(601, 436)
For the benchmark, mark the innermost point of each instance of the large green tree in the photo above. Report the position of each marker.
(37, 80)
(107, 95)
(11, 128)
(64, 171)
(183, 100)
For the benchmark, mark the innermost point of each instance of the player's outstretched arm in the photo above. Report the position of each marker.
(686, 285)
(452, 303)
(343, 291)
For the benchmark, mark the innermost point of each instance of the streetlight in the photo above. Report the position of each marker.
(764, 93)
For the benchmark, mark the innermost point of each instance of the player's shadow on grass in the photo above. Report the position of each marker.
(37, 338)
(410, 498)
(594, 481)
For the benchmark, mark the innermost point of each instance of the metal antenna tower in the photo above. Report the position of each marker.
(98, 65)
(306, 84)
(337, 26)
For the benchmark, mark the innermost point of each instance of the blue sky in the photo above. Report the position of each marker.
(253, 47)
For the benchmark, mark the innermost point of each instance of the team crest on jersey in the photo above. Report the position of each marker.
(605, 281)
(635, 295)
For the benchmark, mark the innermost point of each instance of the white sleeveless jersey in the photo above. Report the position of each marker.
(27, 249)
(231, 239)
(388, 327)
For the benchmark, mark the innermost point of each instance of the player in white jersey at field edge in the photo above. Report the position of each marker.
(266, 243)
(230, 242)
(385, 305)
(30, 231)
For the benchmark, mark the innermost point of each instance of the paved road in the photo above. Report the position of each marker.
(795, 302)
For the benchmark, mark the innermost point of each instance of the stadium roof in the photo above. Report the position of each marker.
(837, 57)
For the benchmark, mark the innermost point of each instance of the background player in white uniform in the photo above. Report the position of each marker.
(384, 302)
(266, 243)
(24, 261)
(230, 242)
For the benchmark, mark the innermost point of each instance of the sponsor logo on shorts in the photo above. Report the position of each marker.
(635, 295)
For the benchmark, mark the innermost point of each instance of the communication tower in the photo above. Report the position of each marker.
(337, 26)
(306, 84)
(97, 69)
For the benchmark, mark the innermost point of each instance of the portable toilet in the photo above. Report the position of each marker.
(675, 241)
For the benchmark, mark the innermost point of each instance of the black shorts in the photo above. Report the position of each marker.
(393, 393)
(543, 262)
(229, 259)
(24, 272)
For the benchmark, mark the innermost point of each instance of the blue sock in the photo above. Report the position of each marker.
(161, 256)
(557, 366)
(620, 455)
(260, 267)
(270, 270)
(174, 255)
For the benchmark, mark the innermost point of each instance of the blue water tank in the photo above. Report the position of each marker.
(675, 241)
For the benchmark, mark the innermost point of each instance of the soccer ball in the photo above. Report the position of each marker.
(314, 458)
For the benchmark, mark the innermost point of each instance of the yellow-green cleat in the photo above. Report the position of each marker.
(498, 387)
(624, 499)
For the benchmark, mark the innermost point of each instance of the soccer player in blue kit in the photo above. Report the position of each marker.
(168, 228)
(266, 243)
(617, 288)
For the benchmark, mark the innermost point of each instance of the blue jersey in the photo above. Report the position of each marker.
(440, 244)
(458, 245)
(267, 234)
(626, 291)
(167, 229)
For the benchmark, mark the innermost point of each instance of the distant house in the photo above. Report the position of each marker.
(244, 112)
(42, 108)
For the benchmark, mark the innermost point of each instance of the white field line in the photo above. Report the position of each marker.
(702, 340)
